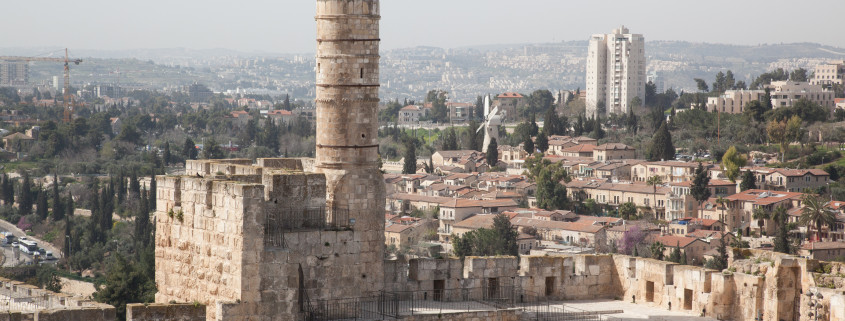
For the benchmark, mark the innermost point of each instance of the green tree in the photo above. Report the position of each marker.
(211, 150)
(781, 241)
(439, 110)
(8, 190)
(41, 201)
(551, 194)
(654, 181)
(732, 162)
(189, 150)
(493, 153)
(542, 142)
(528, 145)
(799, 75)
(675, 256)
(816, 214)
(657, 250)
(761, 215)
(167, 157)
(598, 132)
(498, 240)
(58, 207)
(25, 200)
(748, 181)
(125, 283)
(699, 188)
(776, 130)
(410, 165)
(628, 211)
(541, 100)
(702, 85)
(662, 147)
(755, 110)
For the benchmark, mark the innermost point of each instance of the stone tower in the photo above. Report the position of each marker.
(347, 119)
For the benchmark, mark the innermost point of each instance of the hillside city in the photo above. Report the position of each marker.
(598, 147)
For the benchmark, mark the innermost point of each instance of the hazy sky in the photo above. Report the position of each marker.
(288, 25)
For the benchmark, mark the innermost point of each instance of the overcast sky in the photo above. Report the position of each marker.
(287, 26)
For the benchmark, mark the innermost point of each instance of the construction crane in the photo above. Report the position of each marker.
(69, 104)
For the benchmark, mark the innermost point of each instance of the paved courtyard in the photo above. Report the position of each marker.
(633, 311)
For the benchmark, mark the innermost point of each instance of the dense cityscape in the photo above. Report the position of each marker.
(610, 178)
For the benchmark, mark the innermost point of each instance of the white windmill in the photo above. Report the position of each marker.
(491, 124)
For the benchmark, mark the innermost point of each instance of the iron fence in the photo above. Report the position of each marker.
(395, 305)
(288, 219)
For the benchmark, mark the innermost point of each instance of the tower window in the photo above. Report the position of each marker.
(362, 73)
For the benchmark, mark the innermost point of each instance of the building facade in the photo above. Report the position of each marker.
(733, 101)
(828, 74)
(615, 72)
(786, 93)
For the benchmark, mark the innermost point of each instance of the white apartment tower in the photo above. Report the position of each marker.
(615, 71)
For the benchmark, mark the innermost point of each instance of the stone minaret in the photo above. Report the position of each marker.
(347, 120)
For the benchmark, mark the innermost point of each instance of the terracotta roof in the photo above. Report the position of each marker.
(280, 112)
(713, 182)
(582, 148)
(764, 197)
(703, 234)
(823, 245)
(614, 146)
(411, 108)
(401, 227)
(509, 95)
(18, 136)
(672, 240)
(476, 222)
(464, 203)
(802, 172)
(419, 198)
(597, 219)
(556, 225)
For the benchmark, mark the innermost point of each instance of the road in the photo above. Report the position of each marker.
(14, 256)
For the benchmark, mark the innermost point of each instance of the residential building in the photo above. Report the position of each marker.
(682, 204)
(786, 93)
(828, 74)
(18, 142)
(615, 72)
(573, 233)
(582, 150)
(668, 171)
(611, 151)
(693, 248)
(790, 180)
(649, 199)
(14, 73)
(411, 114)
(508, 104)
(280, 117)
(198, 93)
(733, 101)
(823, 251)
(407, 231)
(741, 207)
(458, 209)
(460, 112)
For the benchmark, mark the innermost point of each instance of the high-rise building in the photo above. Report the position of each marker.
(14, 73)
(615, 72)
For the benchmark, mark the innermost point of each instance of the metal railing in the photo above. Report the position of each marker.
(396, 305)
(290, 219)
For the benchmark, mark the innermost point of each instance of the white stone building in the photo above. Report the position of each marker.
(785, 93)
(828, 74)
(615, 71)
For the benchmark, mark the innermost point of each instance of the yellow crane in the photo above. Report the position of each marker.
(69, 104)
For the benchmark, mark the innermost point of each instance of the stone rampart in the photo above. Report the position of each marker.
(100, 313)
(503, 315)
(168, 312)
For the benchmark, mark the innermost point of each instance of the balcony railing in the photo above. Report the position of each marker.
(290, 219)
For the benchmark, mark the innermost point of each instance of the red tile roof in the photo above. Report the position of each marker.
(672, 240)
(582, 148)
(509, 95)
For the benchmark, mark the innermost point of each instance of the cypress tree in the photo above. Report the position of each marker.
(661, 145)
(748, 182)
(41, 202)
(167, 153)
(152, 194)
(58, 207)
(134, 185)
(493, 153)
(528, 145)
(25, 195)
(142, 220)
(542, 142)
(410, 166)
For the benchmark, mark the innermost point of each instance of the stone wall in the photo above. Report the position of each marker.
(165, 312)
(103, 313)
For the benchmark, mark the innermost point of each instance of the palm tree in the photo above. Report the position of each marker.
(721, 201)
(761, 215)
(815, 213)
(654, 181)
